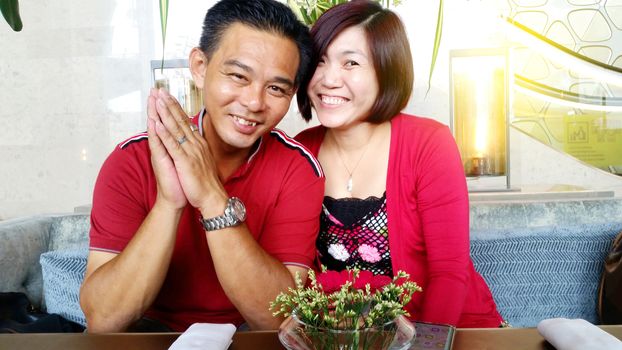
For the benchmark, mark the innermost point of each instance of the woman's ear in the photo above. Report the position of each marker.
(198, 65)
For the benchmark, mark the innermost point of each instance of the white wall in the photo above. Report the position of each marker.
(72, 84)
(75, 80)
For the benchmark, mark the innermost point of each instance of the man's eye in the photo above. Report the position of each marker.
(277, 90)
(236, 76)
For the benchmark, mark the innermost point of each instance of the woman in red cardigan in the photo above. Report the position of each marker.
(396, 195)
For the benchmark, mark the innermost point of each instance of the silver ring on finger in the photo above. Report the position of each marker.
(194, 127)
(181, 140)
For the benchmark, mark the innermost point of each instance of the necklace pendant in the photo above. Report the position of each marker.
(349, 186)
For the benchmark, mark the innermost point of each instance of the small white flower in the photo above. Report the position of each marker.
(339, 252)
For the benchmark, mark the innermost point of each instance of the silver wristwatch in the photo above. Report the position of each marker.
(235, 214)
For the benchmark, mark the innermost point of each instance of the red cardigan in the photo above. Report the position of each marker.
(428, 212)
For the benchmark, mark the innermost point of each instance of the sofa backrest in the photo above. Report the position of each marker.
(543, 259)
(543, 272)
(69, 232)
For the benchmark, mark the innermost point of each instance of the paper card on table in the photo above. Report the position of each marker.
(205, 336)
(577, 334)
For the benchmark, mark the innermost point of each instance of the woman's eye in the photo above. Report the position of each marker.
(351, 63)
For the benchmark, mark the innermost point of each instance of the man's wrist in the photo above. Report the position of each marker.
(233, 214)
(164, 207)
(214, 206)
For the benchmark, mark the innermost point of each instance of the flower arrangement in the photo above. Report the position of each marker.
(341, 302)
(350, 299)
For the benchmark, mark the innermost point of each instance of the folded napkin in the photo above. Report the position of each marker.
(577, 334)
(205, 336)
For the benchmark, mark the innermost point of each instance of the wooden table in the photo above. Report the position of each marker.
(465, 339)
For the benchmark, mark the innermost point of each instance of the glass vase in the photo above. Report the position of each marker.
(397, 334)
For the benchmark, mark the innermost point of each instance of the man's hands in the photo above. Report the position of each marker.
(185, 171)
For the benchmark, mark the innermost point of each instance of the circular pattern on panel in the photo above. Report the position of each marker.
(593, 30)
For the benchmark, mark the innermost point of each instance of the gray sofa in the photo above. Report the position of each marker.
(540, 259)
(544, 259)
(44, 257)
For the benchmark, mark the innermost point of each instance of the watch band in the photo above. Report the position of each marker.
(235, 214)
(216, 223)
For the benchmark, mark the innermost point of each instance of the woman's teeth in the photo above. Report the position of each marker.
(329, 100)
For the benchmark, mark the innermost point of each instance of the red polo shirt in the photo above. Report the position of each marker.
(281, 185)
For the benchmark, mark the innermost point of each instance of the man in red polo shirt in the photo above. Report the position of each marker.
(208, 219)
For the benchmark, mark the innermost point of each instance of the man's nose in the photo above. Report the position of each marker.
(253, 98)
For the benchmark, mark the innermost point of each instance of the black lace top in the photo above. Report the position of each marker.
(354, 233)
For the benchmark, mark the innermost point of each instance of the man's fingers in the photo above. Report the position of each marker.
(172, 129)
(155, 143)
(174, 107)
(169, 141)
(152, 112)
(178, 123)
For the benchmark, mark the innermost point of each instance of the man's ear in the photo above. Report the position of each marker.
(198, 65)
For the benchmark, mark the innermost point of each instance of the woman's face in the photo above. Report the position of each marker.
(344, 86)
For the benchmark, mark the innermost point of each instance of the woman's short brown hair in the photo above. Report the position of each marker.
(389, 48)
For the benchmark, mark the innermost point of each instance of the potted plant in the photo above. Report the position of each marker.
(350, 309)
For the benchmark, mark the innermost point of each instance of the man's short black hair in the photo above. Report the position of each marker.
(266, 15)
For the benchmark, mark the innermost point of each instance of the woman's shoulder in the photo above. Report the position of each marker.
(311, 137)
(412, 121)
(419, 128)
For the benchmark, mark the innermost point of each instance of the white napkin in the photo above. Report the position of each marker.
(205, 336)
(577, 334)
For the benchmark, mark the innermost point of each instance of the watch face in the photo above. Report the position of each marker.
(239, 211)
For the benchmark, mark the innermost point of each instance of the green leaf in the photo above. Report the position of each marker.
(306, 17)
(10, 12)
(163, 22)
(437, 43)
(297, 10)
(323, 6)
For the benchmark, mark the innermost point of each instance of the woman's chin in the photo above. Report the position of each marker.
(333, 123)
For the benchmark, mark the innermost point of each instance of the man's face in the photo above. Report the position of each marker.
(248, 84)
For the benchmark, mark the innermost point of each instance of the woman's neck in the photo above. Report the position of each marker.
(355, 160)
(354, 138)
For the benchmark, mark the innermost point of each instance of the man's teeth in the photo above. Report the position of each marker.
(329, 100)
(244, 121)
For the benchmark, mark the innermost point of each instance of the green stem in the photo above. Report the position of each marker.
(437, 43)
(163, 24)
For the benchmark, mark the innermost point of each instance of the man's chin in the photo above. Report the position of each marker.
(242, 142)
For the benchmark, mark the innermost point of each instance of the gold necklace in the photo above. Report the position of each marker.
(349, 184)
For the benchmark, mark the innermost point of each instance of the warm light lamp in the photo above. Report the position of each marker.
(480, 106)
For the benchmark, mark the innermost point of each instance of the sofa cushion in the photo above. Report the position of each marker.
(63, 272)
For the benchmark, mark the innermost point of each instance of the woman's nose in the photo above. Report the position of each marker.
(331, 76)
